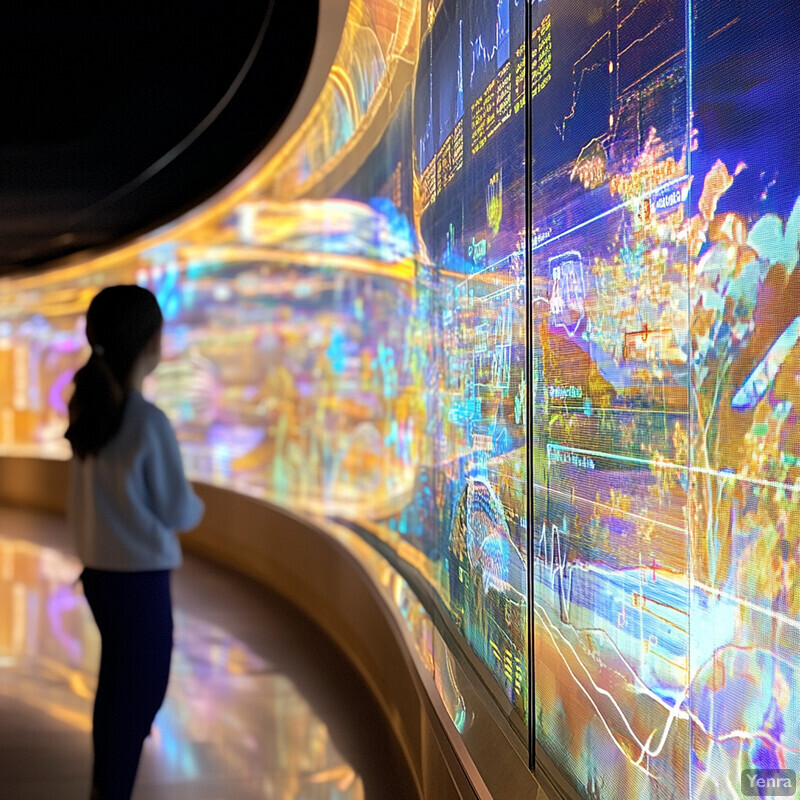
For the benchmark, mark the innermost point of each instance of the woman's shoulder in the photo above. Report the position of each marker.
(145, 413)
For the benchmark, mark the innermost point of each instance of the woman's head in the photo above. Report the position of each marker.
(123, 326)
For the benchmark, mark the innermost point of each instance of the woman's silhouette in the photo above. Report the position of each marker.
(128, 497)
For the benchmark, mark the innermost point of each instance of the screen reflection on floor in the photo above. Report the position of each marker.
(227, 713)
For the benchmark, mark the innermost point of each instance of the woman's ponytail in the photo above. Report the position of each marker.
(95, 409)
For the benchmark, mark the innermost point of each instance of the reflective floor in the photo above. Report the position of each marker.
(260, 704)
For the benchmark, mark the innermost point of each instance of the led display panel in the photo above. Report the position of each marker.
(664, 195)
(472, 226)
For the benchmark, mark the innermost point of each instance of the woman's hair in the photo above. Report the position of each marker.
(120, 322)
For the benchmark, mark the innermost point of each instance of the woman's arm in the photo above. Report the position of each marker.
(174, 501)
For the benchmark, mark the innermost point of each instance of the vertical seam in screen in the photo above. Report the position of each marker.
(530, 384)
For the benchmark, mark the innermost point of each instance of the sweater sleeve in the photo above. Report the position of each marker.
(174, 501)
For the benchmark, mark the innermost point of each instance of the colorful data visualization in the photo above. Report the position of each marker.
(518, 305)
(666, 528)
(472, 224)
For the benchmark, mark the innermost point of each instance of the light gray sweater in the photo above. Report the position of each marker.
(127, 503)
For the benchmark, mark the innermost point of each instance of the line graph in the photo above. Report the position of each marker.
(490, 48)
(580, 69)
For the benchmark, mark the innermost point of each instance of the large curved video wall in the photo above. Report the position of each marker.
(533, 333)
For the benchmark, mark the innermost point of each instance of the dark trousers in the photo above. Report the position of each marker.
(133, 611)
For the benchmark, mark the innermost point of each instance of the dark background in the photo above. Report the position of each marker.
(117, 118)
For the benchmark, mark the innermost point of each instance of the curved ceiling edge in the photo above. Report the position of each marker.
(252, 117)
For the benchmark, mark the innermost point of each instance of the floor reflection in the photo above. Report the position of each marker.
(230, 717)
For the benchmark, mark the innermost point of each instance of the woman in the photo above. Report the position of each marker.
(128, 497)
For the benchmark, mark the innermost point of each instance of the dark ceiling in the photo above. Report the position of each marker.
(118, 117)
